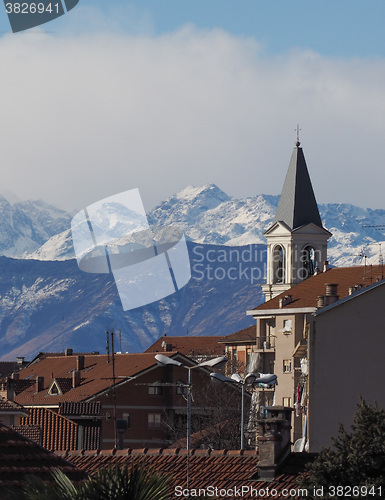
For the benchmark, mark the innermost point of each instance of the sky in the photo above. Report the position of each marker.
(161, 94)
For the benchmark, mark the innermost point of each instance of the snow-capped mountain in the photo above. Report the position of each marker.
(208, 215)
(47, 303)
(26, 225)
(52, 305)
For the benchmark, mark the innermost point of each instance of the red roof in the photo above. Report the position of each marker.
(189, 346)
(246, 334)
(305, 293)
(57, 432)
(221, 469)
(96, 376)
(7, 406)
(20, 457)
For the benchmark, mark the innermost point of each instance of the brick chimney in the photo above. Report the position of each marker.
(75, 378)
(6, 390)
(39, 384)
(79, 363)
(273, 440)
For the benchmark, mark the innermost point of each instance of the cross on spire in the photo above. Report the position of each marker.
(298, 131)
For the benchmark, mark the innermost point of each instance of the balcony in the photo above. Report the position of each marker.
(265, 344)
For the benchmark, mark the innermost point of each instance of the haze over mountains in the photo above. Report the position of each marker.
(46, 303)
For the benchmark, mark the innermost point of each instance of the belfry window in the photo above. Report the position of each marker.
(308, 259)
(278, 264)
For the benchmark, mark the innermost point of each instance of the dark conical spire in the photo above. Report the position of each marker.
(297, 205)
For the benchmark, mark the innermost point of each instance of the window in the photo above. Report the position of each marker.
(156, 389)
(154, 421)
(286, 401)
(286, 365)
(308, 262)
(181, 388)
(278, 265)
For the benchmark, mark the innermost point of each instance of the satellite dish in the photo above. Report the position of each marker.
(299, 445)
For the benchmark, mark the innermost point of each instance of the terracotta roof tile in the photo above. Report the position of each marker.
(58, 432)
(189, 346)
(246, 334)
(32, 432)
(96, 376)
(20, 456)
(92, 409)
(218, 468)
(305, 293)
(11, 407)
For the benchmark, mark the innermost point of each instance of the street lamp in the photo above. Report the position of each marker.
(250, 379)
(163, 360)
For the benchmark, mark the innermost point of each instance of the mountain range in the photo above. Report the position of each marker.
(47, 303)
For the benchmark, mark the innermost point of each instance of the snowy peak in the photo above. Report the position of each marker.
(209, 194)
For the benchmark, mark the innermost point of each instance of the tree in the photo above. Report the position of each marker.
(115, 483)
(357, 459)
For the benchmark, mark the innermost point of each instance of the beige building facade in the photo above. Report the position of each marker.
(346, 353)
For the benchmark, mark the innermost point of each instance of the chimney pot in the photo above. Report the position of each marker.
(75, 378)
(68, 352)
(326, 266)
(20, 360)
(273, 440)
(39, 384)
(331, 289)
(79, 363)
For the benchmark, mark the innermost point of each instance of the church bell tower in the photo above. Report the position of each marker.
(296, 241)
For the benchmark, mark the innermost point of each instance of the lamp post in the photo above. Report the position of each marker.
(163, 360)
(250, 379)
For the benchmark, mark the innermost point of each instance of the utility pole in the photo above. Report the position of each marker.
(113, 382)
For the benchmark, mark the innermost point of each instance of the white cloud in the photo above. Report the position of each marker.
(85, 117)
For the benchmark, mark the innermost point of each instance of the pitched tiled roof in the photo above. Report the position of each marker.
(58, 432)
(189, 346)
(64, 383)
(20, 457)
(21, 385)
(305, 293)
(95, 377)
(245, 334)
(7, 406)
(91, 409)
(32, 432)
(221, 469)
(8, 367)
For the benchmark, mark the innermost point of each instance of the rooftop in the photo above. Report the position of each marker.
(20, 457)
(221, 469)
(246, 334)
(95, 376)
(189, 346)
(305, 293)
